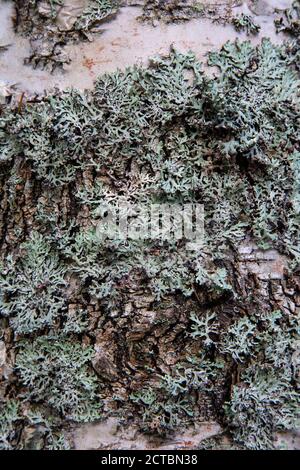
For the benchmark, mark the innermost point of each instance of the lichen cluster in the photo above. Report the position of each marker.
(149, 330)
(41, 22)
(245, 23)
(289, 19)
(50, 28)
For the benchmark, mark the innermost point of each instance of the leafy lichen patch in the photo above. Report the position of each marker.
(156, 333)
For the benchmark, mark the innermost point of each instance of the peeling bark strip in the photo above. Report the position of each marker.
(148, 332)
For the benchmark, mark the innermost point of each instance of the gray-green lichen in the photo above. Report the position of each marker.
(245, 23)
(154, 332)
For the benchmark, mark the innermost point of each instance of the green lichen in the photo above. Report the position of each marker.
(32, 288)
(165, 134)
(245, 23)
(9, 415)
(97, 11)
(64, 382)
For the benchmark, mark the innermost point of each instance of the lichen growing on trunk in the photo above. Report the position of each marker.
(150, 331)
(51, 24)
